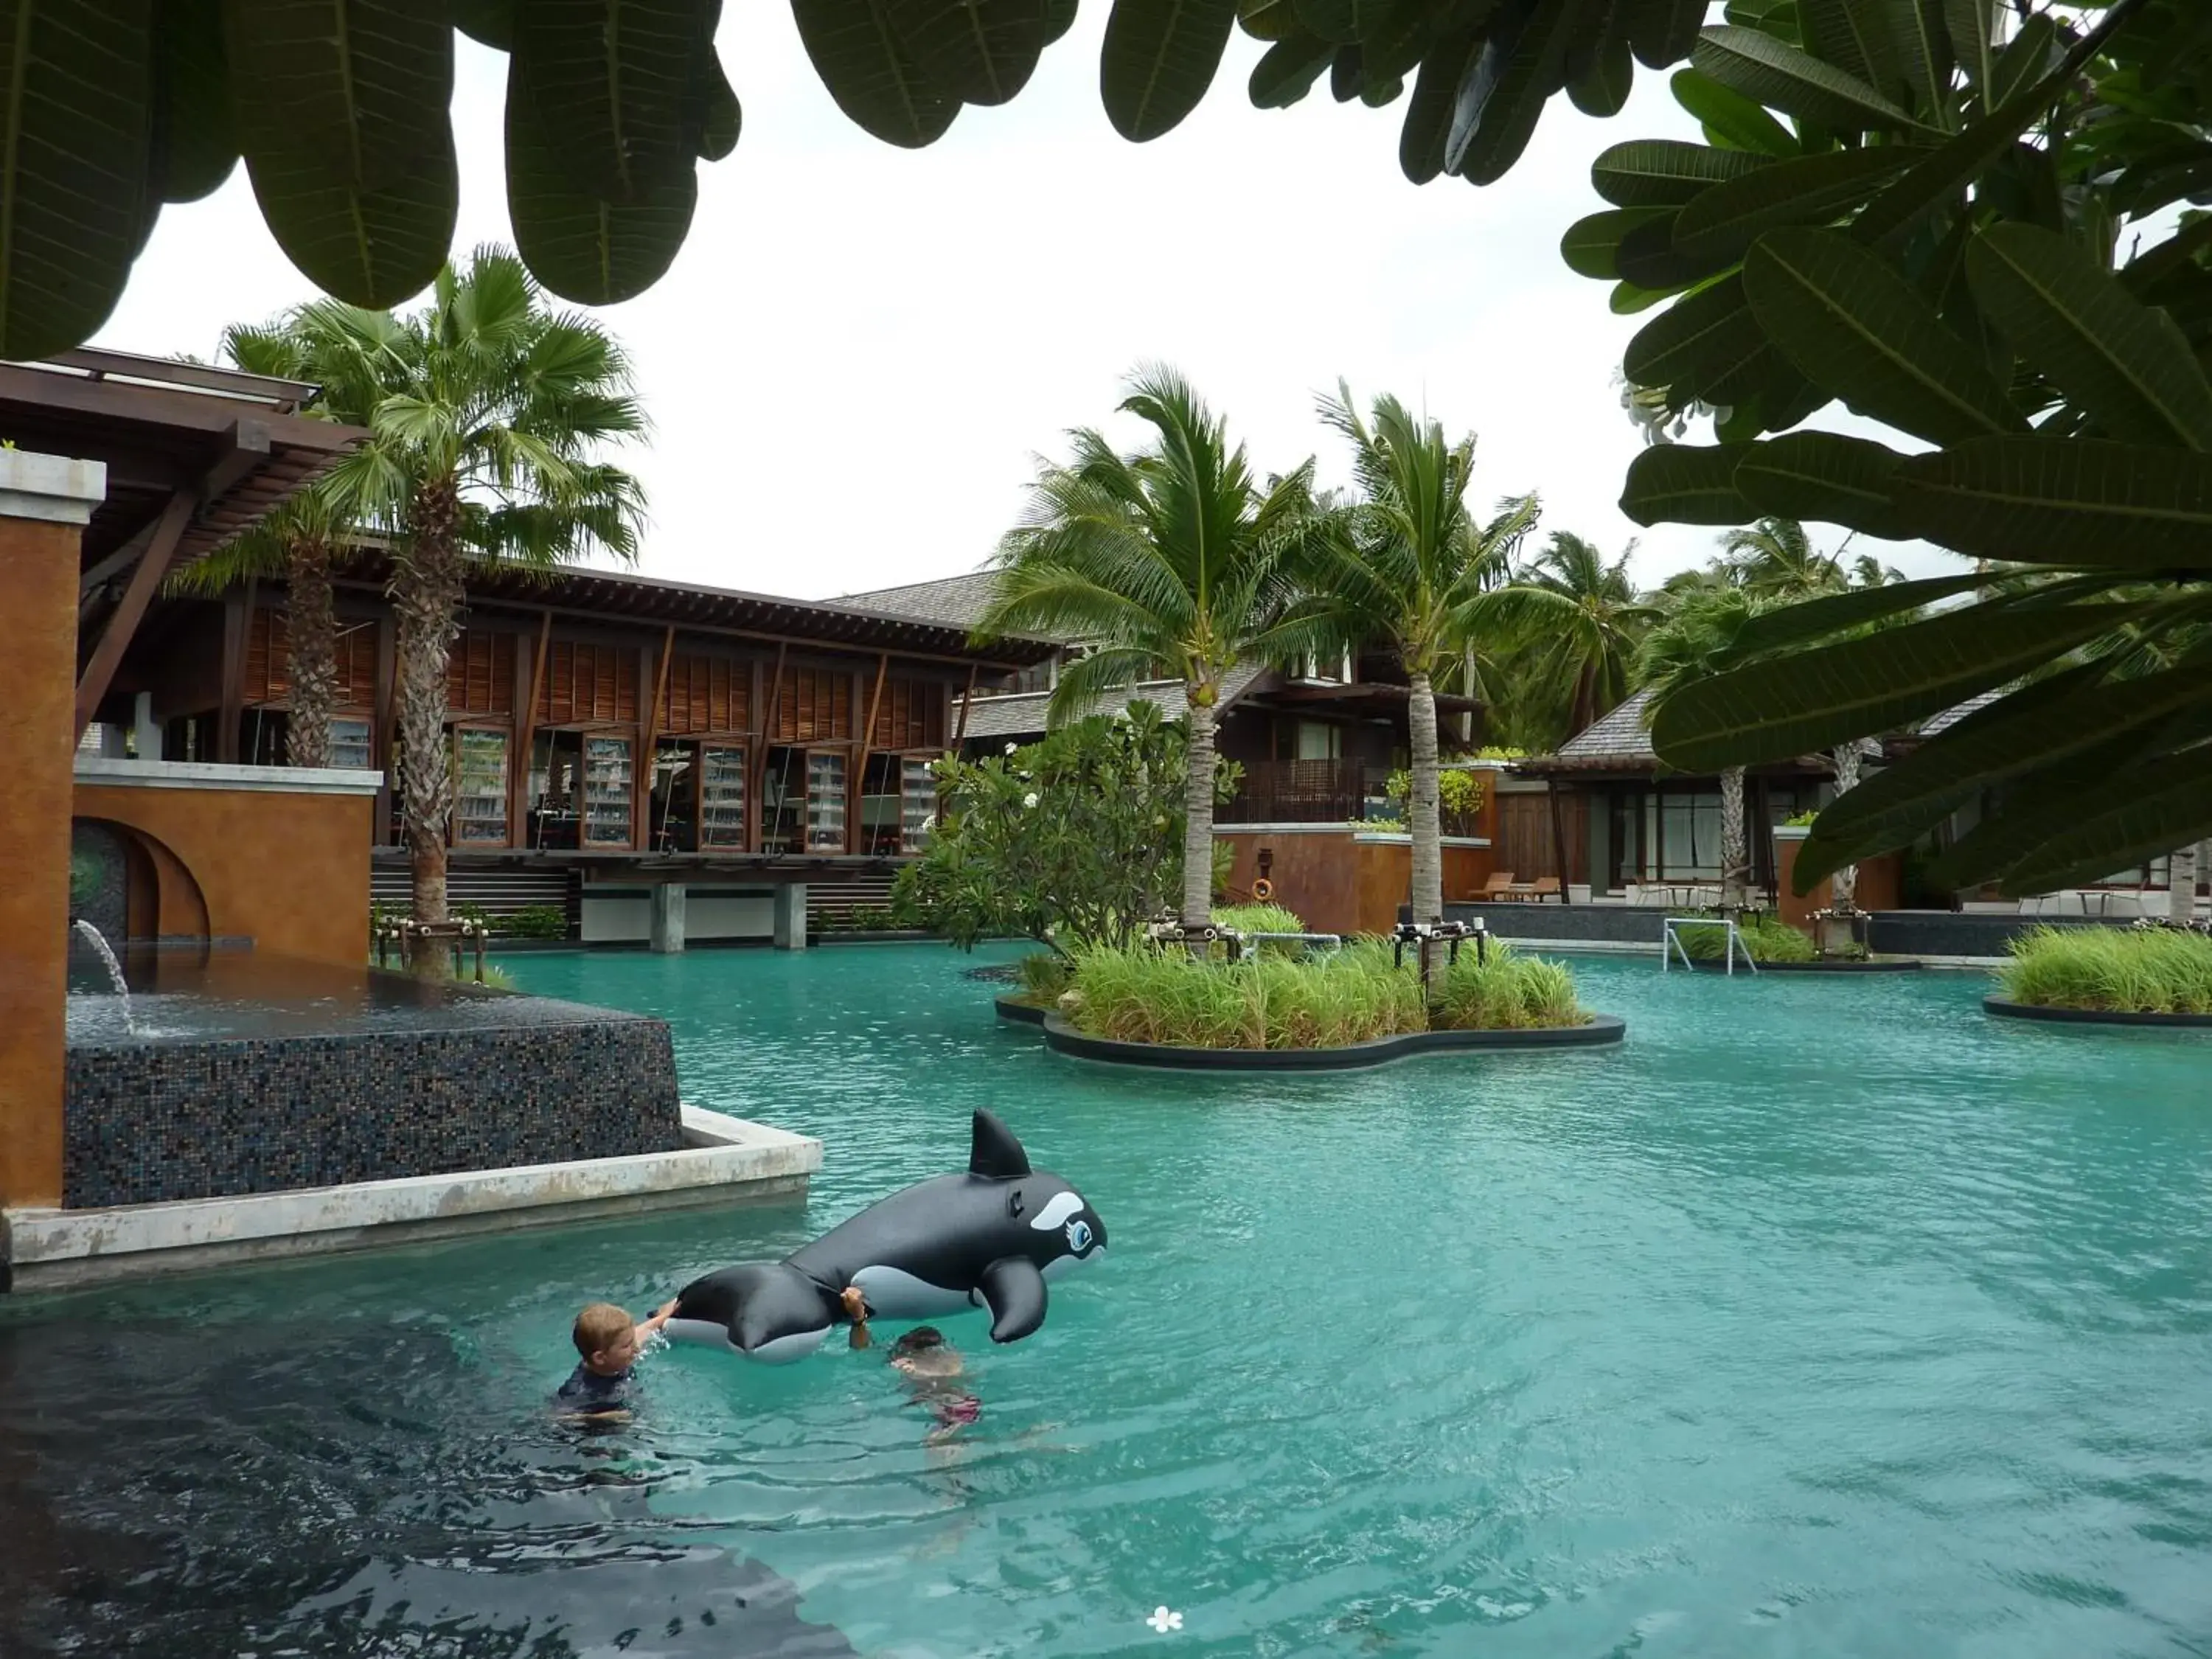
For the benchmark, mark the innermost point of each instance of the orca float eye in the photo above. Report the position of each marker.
(1078, 1237)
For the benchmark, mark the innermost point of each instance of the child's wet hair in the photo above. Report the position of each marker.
(920, 1339)
(599, 1327)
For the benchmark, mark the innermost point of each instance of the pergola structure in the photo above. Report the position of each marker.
(192, 456)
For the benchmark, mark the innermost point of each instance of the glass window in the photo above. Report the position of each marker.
(722, 796)
(480, 786)
(1320, 740)
(606, 791)
(917, 803)
(349, 744)
(825, 802)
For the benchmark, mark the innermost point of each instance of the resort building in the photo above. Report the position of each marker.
(662, 761)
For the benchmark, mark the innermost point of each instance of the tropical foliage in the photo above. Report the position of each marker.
(2147, 970)
(486, 412)
(1357, 994)
(340, 109)
(1176, 559)
(1067, 840)
(1957, 222)
(1580, 621)
(1405, 565)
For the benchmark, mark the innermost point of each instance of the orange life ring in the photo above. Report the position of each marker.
(1263, 889)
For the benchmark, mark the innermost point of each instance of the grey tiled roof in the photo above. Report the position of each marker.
(960, 600)
(1023, 714)
(1621, 735)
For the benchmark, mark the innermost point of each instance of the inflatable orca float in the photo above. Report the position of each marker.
(989, 1237)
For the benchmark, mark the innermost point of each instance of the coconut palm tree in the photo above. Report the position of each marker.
(485, 412)
(1690, 645)
(1406, 564)
(1583, 620)
(1172, 559)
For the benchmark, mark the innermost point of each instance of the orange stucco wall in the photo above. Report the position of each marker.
(38, 689)
(1878, 881)
(289, 870)
(1339, 885)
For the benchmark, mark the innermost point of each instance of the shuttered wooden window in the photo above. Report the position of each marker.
(480, 674)
(589, 684)
(817, 706)
(706, 694)
(269, 660)
(910, 716)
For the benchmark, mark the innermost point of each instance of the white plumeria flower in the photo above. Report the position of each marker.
(1012, 747)
(1165, 1620)
(1029, 799)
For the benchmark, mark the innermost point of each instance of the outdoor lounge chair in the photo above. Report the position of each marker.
(1495, 888)
(1546, 887)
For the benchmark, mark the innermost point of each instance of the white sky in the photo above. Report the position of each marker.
(860, 349)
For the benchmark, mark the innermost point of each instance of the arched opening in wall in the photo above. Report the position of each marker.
(131, 886)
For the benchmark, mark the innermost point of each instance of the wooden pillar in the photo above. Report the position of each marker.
(237, 627)
(44, 502)
(860, 751)
(757, 762)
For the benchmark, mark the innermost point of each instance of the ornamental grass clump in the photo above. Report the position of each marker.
(1170, 997)
(1357, 994)
(1258, 919)
(2112, 970)
(1767, 940)
(1507, 992)
(1042, 977)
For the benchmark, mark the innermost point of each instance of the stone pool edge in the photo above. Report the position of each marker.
(1064, 1039)
(726, 1160)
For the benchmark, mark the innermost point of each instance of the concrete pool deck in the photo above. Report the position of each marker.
(724, 1160)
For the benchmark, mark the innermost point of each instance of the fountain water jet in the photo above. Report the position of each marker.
(114, 969)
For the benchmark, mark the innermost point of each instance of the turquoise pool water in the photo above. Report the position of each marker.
(1819, 1317)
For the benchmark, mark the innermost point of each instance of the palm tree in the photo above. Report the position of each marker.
(1583, 620)
(1175, 560)
(1406, 564)
(1690, 645)
(484, 410)
(1775, 559)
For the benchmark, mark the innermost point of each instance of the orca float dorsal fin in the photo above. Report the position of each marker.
(994, 1153)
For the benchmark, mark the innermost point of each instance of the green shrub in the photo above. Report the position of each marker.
(534, 921)
(1043, 976)
(2117, 970)
(1801, 820)
(1767, 940)
(1259, 919)
(1506, 990)
(1353, 995)
(1459, 798)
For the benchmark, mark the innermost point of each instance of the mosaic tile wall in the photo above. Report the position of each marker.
(149, 1122)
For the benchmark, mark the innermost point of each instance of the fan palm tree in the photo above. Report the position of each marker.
(1174, 559)
(1407, 564)
(1583, 620)
(485, 411)
(1691, 644)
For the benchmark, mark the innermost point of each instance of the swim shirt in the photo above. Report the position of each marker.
(588, 1392)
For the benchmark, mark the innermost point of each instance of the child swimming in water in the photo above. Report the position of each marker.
(600, 1387)
(932, 1368)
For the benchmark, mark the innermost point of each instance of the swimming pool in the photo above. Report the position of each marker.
(1819, 1317)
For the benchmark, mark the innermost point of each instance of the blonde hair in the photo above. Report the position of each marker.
(599, 1327)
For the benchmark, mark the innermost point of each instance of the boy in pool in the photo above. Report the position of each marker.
(599, 1386)
(931, 1368)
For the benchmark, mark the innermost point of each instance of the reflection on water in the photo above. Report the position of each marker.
(201, 1493)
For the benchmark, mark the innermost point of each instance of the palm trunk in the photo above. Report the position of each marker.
(1735, 853)
(1425, 817)
(311, 621)
(1197, 813)
(1845, 884)
(2181, 883)
(426, 596)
